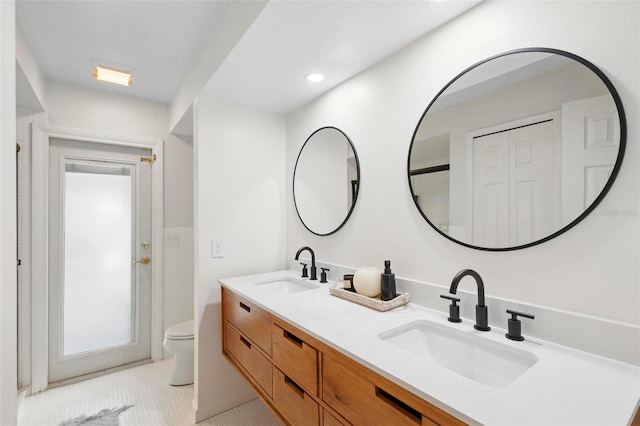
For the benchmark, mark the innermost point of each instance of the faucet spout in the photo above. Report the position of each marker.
(480, 284)
(482, 316)
(313, 261)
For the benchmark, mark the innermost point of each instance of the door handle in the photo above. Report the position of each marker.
(144, 260)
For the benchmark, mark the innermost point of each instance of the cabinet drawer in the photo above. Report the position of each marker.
(249, 319)
(296, 358)
(296, 405)
(362, 402)
(256, 364)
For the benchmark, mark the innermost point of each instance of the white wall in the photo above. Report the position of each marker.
(240, 199)
(177, 276)
(29, 79)
(178, 182)
(8, 278)
(100, 111)
(178, 230)
(592, 269)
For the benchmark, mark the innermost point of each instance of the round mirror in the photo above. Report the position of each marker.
(517, 149)
(326, 181)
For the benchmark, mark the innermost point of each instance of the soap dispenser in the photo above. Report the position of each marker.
(387, 282)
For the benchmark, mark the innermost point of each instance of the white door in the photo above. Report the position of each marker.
(530, 183)
(99, 227)
(513, 186)
(590, 135)
(491, 190)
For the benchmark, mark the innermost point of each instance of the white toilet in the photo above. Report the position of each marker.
(178, 340)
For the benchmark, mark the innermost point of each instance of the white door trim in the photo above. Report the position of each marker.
(41, 136)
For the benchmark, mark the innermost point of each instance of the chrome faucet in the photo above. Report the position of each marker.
(482, 314)
(313, 261)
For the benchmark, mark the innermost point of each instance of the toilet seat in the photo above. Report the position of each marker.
(180, 331)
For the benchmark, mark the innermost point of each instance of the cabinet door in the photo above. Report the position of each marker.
(249, 319)
(296, 358)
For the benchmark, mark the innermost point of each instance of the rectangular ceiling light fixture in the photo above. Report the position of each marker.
(112, 75)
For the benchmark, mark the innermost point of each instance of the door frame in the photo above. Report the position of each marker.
(41, 137)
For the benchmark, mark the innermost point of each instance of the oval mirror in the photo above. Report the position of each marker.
(326, 179)
(517, 149)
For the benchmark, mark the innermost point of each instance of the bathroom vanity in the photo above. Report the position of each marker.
(317, 359)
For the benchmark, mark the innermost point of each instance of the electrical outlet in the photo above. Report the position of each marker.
(217, 249)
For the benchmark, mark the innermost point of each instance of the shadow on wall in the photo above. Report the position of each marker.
(219, 386)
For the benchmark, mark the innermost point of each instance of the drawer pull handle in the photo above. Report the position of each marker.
(293, 338)
(294, 386)
(245, 307)
(400, 406)
(246, 342)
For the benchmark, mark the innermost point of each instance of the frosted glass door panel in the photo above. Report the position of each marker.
(99, 223)
(98, 277)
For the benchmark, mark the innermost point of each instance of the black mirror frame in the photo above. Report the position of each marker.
(603, 193)
(354, 184)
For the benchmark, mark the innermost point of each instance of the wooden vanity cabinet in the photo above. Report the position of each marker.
(306, 382)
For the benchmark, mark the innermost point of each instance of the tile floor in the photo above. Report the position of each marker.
(155, 403)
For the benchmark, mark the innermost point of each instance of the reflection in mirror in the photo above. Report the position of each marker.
(517, 149)
(326, 181)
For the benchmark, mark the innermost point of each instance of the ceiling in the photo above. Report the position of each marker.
(290, 39)
(160, 40)
(157, 40)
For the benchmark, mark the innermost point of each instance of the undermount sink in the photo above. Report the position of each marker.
(465, 353)
(286, 286)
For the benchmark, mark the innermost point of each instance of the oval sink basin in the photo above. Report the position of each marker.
(465, 353)
(286, 286)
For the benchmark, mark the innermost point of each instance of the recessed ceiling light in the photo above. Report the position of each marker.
(314, 77)
(112, 75)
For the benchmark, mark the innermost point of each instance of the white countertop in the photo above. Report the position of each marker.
(565, 386)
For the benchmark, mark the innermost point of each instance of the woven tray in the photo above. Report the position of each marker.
(371, 302)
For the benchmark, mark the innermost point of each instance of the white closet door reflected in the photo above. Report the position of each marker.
(98, 227)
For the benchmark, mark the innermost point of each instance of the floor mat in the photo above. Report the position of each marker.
(106, 417)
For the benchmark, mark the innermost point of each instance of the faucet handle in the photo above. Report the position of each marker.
(305, 271)
(454, 309)
(515, 326)
(323, 275)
